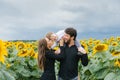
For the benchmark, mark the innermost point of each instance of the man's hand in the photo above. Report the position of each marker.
(61, 42)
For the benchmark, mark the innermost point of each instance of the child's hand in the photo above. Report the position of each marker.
(57, 51)
(82, 50)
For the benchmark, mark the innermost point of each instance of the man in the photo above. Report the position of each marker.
(69, 65)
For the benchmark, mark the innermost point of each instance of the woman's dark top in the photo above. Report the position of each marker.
(49, 71)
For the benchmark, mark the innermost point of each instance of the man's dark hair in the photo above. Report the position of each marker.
(72, 32)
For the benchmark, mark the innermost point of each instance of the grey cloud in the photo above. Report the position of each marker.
(26, 18)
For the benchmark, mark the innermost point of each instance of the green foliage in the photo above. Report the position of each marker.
(100, 66)
(4, 74)
(23, 68)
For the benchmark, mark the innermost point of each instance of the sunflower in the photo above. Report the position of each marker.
(111, 39)
(117, 63)
(90, 42)
(99, 48)
(114, 43)
(29, 45)
(118, 38)
(97, 42)
(2, 59)
(20, 45)
(35, 56)
(82, 42)
(116, 53)
(15, 43)
(23, 53)
(7, 44)
(31, 52)
(34, 47)
(91, 39)
(3, 52)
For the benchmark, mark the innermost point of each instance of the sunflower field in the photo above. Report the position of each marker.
(18, 60)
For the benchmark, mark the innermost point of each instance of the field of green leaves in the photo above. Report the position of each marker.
(18, 60)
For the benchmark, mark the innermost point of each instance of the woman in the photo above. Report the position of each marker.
(46, 58)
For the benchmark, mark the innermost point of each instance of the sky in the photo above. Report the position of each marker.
(32, 19)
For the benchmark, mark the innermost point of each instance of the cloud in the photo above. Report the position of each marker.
(23, 17)
(94, 13)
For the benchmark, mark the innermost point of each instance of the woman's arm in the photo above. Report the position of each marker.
(52, 55)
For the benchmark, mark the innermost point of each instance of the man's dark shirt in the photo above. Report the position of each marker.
(69, 65)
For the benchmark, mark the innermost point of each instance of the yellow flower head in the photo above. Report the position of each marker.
(3, 52)
(20, 45)
(116, 53)
(118, 38)
(117, 63)
(90, 42)
(35, 56)
(97, 42)
(23, 53)
(114, 43)
(31, 52)
(29, 45)
(100, 47)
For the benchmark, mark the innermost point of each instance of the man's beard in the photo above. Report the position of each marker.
(68, 42)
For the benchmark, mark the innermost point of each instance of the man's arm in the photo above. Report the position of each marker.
(84, 59)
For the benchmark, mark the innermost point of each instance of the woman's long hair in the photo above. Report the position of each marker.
(42, 46)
